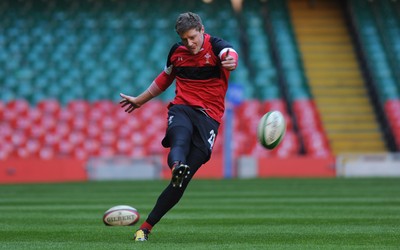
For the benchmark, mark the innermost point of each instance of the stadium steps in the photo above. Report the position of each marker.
(335, 78)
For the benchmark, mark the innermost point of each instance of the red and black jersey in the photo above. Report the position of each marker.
(200, 79)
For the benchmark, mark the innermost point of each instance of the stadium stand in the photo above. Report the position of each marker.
(63, 63)
(266, 87)
(295, 82)
(261, 65)
(335, 77)
(380, 51)
(387, 21)
(69, 59)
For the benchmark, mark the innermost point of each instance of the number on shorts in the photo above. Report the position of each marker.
(211, 139)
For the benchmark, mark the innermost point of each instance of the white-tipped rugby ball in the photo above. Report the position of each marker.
(271, 129)
(121, 215)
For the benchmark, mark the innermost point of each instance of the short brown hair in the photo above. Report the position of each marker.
(187, 21)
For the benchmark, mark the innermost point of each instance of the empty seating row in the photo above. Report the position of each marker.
(82, 129)
(92, 50)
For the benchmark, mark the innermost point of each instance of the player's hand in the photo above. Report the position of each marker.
(129, 101)
(229, 63)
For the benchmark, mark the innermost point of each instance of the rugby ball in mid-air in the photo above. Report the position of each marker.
(271, 129)
(121, 215)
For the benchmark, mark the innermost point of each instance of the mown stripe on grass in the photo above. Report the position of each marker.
(218, 214)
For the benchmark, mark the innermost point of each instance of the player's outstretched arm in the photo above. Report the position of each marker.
(133, 102)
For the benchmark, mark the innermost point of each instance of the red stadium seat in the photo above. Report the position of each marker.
(79, 106)
(36, 131)
(105, 106)
(311, 129)
(133, 122)
(260, 151)
(154, 108)
(6, 131)
(51, 139)
(66, 115)
(137, 151)
(33, 146)
(62, 130)
(122, 116)
(47, 152)
(392, 110)
(79, 122)
(315, 143)
(22, 124)
(392, 106)
(218, 146)
(159, 122)
(138, 138)
(48, 122)
(124, 131)
(10, 117)
(2, 108)
(276, 104)
(123, 146)
(91, 146)
(289, 146)
(76, 137)
(248, 109)
(247, 116)
(108, 123)
(19, 106)
(106, 151)
(80, 153)
(18, 138)
(22, 153)
(307, 114)
(154, 147)
(34, 115)
(108, 138)
(65, 148)
(154, 126)
(6, 148)
(49, 106)
(95, 115)
(93, 131)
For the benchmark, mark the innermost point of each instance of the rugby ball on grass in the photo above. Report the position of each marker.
(271, 129)
(121, 215)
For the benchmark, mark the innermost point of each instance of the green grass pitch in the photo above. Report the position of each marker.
(213, 214)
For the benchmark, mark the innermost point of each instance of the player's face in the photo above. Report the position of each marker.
(193, 40)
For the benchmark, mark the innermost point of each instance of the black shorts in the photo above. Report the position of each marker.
(204, 128)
